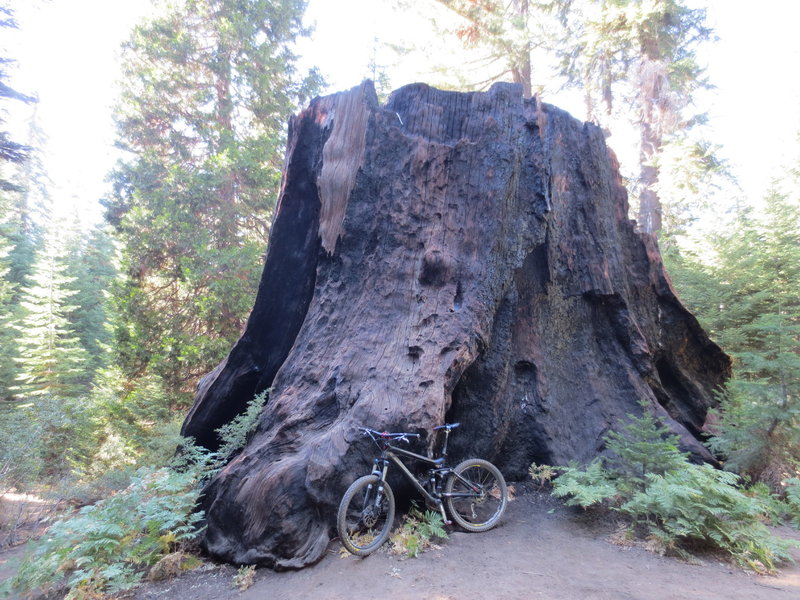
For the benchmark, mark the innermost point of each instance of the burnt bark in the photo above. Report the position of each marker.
(444, 257)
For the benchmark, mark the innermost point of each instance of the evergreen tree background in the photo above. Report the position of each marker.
(52, 359)
(8, 309)
(748, 297)
(209, 86)
(15, 242)
(635, 64)
(11, 151)
(91, 266)
(639, 57)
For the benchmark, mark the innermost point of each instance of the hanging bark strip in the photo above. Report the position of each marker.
(444, 257)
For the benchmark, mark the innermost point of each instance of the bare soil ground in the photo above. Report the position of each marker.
(22, 516)
(540, 550)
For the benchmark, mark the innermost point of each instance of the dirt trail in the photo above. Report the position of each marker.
(541, 550)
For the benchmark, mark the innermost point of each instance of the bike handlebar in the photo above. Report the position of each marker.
(386, 435)
(402, 435)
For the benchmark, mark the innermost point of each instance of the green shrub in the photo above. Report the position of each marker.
(646, 477)
(129, 419)
(773, 507)
(43, 438)
(793, 500)
(757, 429)
(416, 533)
(21, 463)
(108, 546)
(703, 504)
(642, 446)
(585, 487)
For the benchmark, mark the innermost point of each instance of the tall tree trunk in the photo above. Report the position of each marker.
(654, 107)
(649, 217)
(445, 257)
(521, 72)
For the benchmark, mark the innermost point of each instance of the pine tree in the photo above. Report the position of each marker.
(760, 425)
(15, 244)
(52, 359)
(643, 53)
(28, 208)
(8, 310)
(91, 266)
(748, 298)
(690, 177)
(10, 150)
(208, 88)
(505, 31)
(634, 60)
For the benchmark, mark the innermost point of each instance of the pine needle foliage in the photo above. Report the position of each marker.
(52, 358)
(9, 309)
(645, 476)
(207, 90)
(746, 294)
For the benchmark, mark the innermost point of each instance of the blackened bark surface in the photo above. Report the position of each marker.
(461, 257)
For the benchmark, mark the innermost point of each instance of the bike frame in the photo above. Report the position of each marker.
(367, 509)
(390, 453)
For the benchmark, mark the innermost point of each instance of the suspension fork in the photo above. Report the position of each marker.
(380, 467)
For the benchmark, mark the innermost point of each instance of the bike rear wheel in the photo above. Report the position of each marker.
(480, 493)
(365, 515)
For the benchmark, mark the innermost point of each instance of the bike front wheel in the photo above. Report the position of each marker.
(476, 495)
(365, 516)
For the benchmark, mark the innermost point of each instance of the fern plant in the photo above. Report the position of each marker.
(416, 533)
(793, 500)
(233, 435)
(646, 477)
(704, 504)
(585, 487)
(108, 546)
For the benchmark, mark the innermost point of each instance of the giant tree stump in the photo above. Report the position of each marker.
(445, 257)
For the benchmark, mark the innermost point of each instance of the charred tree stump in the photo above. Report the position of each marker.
(445, 257)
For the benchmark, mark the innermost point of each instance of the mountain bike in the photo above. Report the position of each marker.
(474, 492)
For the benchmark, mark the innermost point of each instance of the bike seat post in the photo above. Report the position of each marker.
(444, 447)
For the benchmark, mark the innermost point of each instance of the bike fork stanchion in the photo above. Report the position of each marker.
(444, 514)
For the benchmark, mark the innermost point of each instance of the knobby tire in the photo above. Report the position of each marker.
(363, 527)
(482, 511)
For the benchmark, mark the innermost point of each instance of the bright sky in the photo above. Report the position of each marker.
(67, 54)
